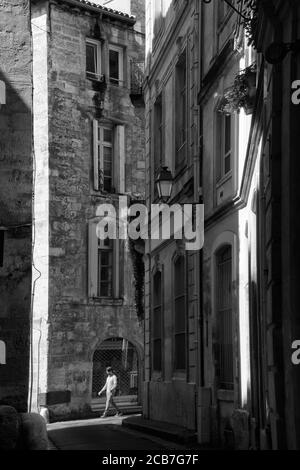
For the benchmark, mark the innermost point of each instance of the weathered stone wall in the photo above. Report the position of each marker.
(15, 199)
(78, 324)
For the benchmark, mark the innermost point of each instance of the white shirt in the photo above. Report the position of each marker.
(111, 383)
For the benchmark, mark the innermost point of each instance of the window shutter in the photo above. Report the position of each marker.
(93, 260)
(95, 154)
(120, 159)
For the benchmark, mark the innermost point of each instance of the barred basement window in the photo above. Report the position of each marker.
(157, 323)
(224, 318)
(180, 355)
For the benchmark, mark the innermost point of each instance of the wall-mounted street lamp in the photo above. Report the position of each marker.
(276, 52)
(164, 184)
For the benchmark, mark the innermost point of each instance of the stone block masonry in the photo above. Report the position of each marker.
(74, 323)
(15, 200)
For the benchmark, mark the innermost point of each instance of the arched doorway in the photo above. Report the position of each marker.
(122, 356)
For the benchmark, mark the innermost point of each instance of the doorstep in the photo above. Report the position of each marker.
(167, 431)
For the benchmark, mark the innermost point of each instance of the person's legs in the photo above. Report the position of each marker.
(107, 404)
(110, 402)
(113, 403)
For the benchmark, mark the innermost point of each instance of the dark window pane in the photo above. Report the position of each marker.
(179, 276)
(107, 184)
(105, 258)
(157, 322)
(180, 352)
(104, 289)
(157, 356)
(157, 289)
(227, 164)
(225, 320)
(91, 58)
(227, 134)
(107, 135)
(180, 315)
(114, 66)
(105, 270)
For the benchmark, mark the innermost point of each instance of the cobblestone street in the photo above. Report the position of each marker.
(103, 434)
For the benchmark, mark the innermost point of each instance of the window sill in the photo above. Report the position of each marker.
(105, 301)
(224, 179)
(157, 377)
(225, 395)
(179, 376)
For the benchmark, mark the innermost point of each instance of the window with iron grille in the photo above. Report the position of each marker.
(105, 268)
(121, 355)
(181, 109)
(225, 358)
(180, 355)
(157, 323)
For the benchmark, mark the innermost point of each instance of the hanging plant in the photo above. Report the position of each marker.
(136, 248)
(249, 9)
(242, 93)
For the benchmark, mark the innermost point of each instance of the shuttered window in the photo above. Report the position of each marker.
(157, 323)
(180, 314)
(181, 109)
(109, 157)
(224, 319)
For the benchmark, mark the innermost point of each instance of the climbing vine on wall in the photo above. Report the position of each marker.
(136, 250)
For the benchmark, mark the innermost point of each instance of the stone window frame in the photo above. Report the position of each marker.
(120, 82)
(180, 373)
(227, 238)
(155, 373)
(93, 266)
(181, 100)
(221, 178)
(98, 47)
(118, 156)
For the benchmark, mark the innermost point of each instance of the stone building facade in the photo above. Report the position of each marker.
(15, 201)
(171, 282)
(238, 386)
(276, 378)
(225, 376)
(88, 145)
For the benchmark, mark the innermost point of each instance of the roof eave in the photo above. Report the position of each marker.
(98, 9)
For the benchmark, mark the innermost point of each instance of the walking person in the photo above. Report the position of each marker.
(110, 387)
